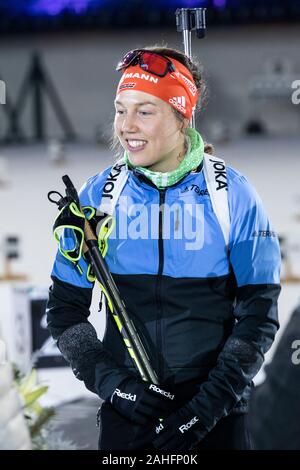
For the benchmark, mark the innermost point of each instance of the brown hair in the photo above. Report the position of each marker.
(195, 69)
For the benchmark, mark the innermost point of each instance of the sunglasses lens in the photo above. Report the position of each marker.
(154, 63)
(127, 60)
(148, 61)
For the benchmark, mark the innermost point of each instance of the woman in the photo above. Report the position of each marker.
(196, 263)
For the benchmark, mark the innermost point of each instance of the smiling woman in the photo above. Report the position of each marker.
(148, 129)
(200, 288)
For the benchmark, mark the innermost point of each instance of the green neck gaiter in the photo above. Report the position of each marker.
(192, 160)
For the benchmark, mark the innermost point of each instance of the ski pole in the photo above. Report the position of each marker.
(125, 325)
(188, 20)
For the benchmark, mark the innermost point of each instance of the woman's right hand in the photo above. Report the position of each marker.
(142, 402)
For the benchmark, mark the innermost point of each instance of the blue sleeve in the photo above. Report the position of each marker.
(253, 244)
(66, 271)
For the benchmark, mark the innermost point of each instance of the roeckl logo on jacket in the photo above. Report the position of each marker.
(187, 426)
(125, 396)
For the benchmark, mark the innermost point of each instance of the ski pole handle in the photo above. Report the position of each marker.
(70, 189)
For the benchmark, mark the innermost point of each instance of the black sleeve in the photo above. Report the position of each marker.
(242, 355)
(67, 317)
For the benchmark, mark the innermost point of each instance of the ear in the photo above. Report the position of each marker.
(185, 125)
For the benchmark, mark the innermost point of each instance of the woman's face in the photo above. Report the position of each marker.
(149, 130)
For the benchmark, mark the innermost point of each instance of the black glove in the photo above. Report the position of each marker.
(181, 431)
(142, 402)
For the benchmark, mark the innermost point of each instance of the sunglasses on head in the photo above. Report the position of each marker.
(148, 61)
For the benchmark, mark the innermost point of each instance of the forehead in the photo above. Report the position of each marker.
(138, 98)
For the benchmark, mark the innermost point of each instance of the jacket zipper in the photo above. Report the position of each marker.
(162, 194)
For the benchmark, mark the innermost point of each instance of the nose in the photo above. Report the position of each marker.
(129, 123)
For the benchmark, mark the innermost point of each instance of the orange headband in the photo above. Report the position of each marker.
(178, 88)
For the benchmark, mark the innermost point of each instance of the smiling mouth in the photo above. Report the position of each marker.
(136, 145)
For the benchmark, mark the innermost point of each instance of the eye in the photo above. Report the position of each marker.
(145, 113)
(119, 111)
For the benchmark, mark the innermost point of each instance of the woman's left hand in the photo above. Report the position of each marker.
(181, 431)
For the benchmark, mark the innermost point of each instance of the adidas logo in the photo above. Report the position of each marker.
(180, 100)
(179, 103)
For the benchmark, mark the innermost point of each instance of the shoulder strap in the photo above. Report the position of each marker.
(113, 187)
(216, 180)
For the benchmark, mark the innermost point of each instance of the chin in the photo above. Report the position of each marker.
(140, 160)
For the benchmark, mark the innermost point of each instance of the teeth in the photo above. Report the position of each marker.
(136, 143)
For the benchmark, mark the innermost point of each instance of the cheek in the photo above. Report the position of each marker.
(163, 138)
(158, 135)
(166, 129)
(117, 127)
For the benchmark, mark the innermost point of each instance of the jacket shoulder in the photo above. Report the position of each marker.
(91, 191)
(241, 192)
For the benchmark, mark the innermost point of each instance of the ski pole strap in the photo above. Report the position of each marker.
(68, 231)
(101, 225)
(69, 228)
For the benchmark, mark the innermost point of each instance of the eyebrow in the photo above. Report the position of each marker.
(138, 104)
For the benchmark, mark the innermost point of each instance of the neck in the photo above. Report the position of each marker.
(172, 160)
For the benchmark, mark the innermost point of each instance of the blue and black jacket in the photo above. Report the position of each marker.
(206, 312)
